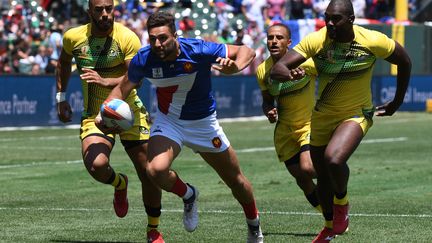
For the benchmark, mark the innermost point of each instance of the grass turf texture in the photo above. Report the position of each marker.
(47, 196)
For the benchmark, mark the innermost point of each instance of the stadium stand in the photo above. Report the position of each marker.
(30, 30)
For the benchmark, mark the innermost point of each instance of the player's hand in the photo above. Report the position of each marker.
(225, 65)
(91, 76)
(100, 124)
(270, 112)
(272, 115)
(64, 111)
(297, 73)
(387, 109)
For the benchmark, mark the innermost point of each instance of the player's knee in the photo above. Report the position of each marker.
(97, 165)
(333, 160)
(156, 173)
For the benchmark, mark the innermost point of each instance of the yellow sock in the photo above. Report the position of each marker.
(319, 208)
(152, 223)
(329, 224)
(119, 182)
(343, 201)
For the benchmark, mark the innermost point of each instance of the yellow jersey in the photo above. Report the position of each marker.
(345, 69)
(105, 55)
(295, 99)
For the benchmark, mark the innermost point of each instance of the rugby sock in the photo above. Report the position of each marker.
(341, 198)
(180, 188)
(250, 211)
(117, 180)
(313, 200)
(153, 217)
(328, 220)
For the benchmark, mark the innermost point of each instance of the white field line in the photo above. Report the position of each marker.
(378, 140)
(38, 138)
(214, 212)
(250, 150)
(41, 164)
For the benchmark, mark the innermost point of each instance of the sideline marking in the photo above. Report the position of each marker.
(218, 212)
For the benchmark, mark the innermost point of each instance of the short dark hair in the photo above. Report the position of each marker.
(347, 5)
(161, 18)
(283, 26)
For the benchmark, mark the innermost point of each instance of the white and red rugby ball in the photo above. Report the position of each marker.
(116, 112)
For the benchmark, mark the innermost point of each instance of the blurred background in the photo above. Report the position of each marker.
(31, 40)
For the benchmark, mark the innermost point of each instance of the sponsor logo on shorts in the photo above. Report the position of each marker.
(217, 143)
(144, 130)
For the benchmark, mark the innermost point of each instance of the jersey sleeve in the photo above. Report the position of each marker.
(131, 44)
(212, 51)
(136, 70)
(67, 42)
(310, 44)
(260, 75)
(309, 67)
(382, 46)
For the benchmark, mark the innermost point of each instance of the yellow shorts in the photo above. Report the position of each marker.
(288, 139)
(323, 125)
(139, 131)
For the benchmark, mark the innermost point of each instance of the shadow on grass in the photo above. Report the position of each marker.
(90, 241)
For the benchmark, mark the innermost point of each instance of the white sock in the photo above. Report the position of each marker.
(189, 193)
(253, 222)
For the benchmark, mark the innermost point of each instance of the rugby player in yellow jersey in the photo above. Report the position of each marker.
(344, 56)
(102, 50)
(290, 104)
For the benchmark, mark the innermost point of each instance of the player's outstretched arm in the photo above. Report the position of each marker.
(91, 76)
(401, 59)
(239, 58)
(122, 89)
(286, 68)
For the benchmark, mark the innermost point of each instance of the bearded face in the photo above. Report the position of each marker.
(101, 13)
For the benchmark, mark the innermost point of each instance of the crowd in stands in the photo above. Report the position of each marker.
(31, 31)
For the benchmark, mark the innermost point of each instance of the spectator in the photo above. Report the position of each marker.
(297, 9)
(253, 10)
(225, 37)
(186, 24)
(55, 40)
(275, 9)
(359, 8)
(319, 7)
(222, 9)
(42, 58)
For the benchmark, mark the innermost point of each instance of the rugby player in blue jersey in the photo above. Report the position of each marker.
(181, 71)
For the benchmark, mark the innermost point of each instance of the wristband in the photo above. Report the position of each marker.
(60, 97)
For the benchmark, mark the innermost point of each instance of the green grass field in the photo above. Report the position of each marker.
(46, 194)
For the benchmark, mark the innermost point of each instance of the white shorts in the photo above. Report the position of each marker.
(204, 135)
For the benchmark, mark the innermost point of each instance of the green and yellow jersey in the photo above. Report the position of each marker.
(105, 55)
(295, 99)
(345, 69)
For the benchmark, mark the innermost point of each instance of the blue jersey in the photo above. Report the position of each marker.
(183, 86)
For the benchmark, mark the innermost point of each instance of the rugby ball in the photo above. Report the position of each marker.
(116, 112)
